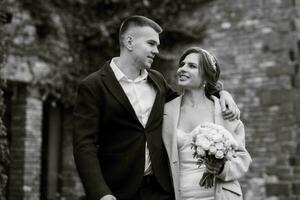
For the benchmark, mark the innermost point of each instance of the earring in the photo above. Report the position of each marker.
(203, 85)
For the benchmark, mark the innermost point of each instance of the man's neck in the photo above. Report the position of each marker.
(129, 68)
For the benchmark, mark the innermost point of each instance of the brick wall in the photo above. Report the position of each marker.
(256, 43)
(70, 181)
(25, 168)
(4, 151)
(28, 61)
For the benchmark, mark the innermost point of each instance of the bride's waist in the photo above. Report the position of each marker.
(193, 171)
(190, 178)
(191, 167)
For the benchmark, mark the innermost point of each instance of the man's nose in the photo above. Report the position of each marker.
(155, 51)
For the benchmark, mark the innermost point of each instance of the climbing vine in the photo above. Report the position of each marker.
(88, 32)
(5, 18)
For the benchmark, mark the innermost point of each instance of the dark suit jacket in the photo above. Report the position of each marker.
(109, 140)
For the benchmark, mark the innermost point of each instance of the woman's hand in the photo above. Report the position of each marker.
(229, 108)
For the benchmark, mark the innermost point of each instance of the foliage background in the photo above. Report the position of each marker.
(52, 44)
(77, 36)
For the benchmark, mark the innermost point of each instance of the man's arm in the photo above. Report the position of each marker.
(170, 93)
(229, 108)
(230, 111)
(86, 129)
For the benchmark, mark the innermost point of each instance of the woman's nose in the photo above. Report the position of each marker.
(181, 69)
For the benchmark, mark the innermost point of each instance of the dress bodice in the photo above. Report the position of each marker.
(190, 172)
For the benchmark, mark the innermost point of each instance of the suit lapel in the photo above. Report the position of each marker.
(157, 102)
(116, 89)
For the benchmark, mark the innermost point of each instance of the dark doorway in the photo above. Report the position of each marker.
(51, 150)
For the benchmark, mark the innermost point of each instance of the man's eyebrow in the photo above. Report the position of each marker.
(154, 41)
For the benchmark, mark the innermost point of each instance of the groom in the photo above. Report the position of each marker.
(118, 148)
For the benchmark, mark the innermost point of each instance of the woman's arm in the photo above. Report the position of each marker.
(238, 165)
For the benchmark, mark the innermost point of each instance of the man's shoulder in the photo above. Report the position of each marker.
(94, 77)
(155, 73)
(157, 76)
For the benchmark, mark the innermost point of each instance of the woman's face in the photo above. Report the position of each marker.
(188, 74)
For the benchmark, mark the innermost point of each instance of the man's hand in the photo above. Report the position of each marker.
(108, 197)
(229, 108)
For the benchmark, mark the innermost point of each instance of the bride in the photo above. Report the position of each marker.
(198, 76)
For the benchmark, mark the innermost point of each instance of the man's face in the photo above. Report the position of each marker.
(145, 42)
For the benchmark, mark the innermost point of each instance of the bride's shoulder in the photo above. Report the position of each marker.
(232, 125)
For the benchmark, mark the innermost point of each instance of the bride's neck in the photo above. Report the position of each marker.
(194, 97)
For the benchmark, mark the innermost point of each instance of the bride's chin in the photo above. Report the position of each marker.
(183, 86)
(181, 83)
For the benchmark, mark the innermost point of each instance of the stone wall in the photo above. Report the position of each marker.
(70, 181)
(257, 43)
(5, 18)
(25, 146)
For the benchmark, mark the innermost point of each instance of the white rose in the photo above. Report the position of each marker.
(205, 144)
(213, 131)
(217, 137)
(219, 145)
(227, 144)
(199, 140)
(229, 155)
(200, 151)
(206, 132)
(212, 149)
(219, 154)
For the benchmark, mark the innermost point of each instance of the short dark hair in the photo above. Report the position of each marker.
(137, 21)
(209, 68)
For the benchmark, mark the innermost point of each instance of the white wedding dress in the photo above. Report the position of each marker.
(190, 173)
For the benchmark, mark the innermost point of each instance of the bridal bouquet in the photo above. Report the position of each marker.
(212, 143)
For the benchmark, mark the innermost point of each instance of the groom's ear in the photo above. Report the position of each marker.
(129, 42)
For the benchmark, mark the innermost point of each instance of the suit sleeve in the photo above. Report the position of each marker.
(86, 119)
(239, 165)
(170, 93)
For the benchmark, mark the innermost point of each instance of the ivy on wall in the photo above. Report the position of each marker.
(5, 18)
(87, 35)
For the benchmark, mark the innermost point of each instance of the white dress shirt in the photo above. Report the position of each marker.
(141, 95)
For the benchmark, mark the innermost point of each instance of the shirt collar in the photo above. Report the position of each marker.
(121, 76)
